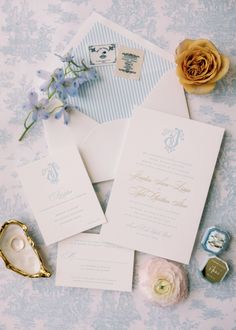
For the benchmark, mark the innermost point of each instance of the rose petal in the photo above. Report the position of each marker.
(180, 58)
(196, 58)
(183, 46)
(224, 68)
(182, 78)
(203, 43)
(217, 57)
(199, 89)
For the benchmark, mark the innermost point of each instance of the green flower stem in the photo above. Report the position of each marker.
(75, 72)
(51, 95)
(85, 66)
(75, 64)
(60, 106)
(26, 130)
(50, 86)
(66, 70)
(25, 122)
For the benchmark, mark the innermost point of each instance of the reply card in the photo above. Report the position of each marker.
(85, 261)
(162, 183)
(61, 195)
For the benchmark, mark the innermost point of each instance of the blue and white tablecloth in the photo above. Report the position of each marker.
(29, 32)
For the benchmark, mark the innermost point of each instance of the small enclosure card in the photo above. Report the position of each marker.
(129, 63)
(161, 185)
(61, 195)
(85, 261)
(102, 54)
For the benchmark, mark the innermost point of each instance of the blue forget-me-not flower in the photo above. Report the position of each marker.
(66, 58)
(38, 107)
(65, 112)
(61, 83)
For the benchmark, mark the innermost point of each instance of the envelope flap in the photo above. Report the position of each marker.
(110, 100)
(59, 135)
(110, 97)
(102, 148)
(168, 96)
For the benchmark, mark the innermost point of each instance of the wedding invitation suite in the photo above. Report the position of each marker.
(162, 183)
(61, 195)
(85, 261)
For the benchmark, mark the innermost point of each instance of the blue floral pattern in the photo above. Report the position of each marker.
(28, 39)
(30, 31)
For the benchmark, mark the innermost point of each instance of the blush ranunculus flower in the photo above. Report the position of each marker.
(163, 281)
(200, 65)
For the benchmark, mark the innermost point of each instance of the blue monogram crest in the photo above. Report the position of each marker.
(51, 173)
(173, 137)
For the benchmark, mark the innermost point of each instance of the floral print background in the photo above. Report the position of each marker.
(29, 32)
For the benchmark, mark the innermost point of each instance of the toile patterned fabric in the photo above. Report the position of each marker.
(29, 32)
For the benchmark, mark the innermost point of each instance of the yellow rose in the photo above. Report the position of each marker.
(200, 65)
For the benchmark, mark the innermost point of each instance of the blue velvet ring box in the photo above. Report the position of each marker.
(215, 240)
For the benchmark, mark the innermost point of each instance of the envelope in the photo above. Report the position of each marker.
(100, 127)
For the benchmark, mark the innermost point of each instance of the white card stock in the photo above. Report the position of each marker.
(161, 185)
(85, 261)
(61, 195)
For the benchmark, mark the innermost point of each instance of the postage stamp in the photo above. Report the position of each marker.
(102, 54)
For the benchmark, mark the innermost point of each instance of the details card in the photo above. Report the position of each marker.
(61, 195)
(161, 185)
(129, 63)
(85, 261)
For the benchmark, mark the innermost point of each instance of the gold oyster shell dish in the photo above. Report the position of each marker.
(18, 251)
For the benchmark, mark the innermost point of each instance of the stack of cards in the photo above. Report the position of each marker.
(64, 203)
(155, 206)
(162, 165)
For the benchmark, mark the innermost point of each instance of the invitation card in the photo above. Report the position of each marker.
(61, 195)
(161, 185)
(85, 261)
